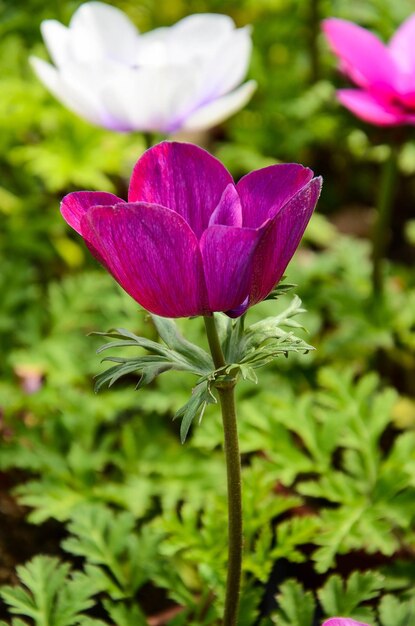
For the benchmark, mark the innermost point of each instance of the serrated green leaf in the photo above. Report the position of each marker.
(345, 598)
(124, 615)
(15, 622)
(51, 595)
(174, 340)
(147, 368)
(85, 620)
(296, 607)
(101, 536)
(194, 407)
(281, 289)
(127, 338)
(394, 611)
(336, 528)
(266, 328)
(49, 500)
(109, 540)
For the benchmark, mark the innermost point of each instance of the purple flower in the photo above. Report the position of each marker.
(189, 241)
(342, 621)
(185, 77)
(385, 74)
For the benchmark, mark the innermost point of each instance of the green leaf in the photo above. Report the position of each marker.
(280, 290)
(293, 533)
(339, 598)
(148, 367)
(174, 340)
(195, 407)
(395, 612)
(124, 615)
(266, 327)
(296, 607)
(49, 500)
(179, 355)
(126, 338)
(50, 595)
(119, 557)
(109, 540)
(85, 620)
(265, 340)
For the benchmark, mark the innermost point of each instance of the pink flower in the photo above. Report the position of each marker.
(189, 241)
(385, 74)
(343, 621)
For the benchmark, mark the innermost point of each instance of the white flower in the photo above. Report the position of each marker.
(184, 77)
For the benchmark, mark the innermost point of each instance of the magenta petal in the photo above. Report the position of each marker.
(229, 210)
(265, 191)
(227, 262)
(152, 253)
(363, 56)
(183, 178)
(280, 239)
(342, 621)
(402, 48)
(75, 205)
(368, 108)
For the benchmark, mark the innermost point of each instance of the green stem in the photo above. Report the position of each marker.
(383, 218)
(151, 138)
(226, 391)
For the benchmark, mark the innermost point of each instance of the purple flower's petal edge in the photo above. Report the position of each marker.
(363, 56)
(343, 621)
(152, 253)
(265, 191)
(279, 240)
(183, 178)
(76, 204)
(227, 254)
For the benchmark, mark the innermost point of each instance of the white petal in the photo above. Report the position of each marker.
(101, 31)
(219, 110)
(153, 49)
(199, 34)
(227, 67)
(72, 93)
(152, 99)
(56, 37)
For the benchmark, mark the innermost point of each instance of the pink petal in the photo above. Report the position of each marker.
(368, 108)
(265, 191)
(364, 57)
(75, 205)
(227, 262)
(343, 621)
(229, 210)
(279, 240)
(402, 48)
(183, 178)
(152, 253)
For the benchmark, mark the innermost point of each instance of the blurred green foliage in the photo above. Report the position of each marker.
(328, 439)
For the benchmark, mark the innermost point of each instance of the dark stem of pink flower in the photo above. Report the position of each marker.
(381, 228)
(226, 391)
(148, 139)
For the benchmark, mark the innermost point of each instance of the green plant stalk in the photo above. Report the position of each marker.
(383, 218)
(226, 391)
